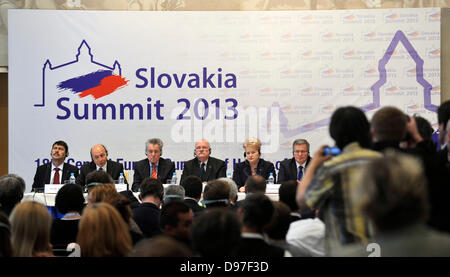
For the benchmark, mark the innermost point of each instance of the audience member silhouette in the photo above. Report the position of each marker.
(107, 193)
(254, 184)
(30, 230)
(160, 246)
(5, 236)
(286, 194)
(392, 192)
(390, 126)
(216, 233)
(327, 184)
(256, 214)
(216, 194)
(12, 188)
(176, 221)
(276, 231)
(193, 188)
(173, 193)
(147, 214)
(103, 232)
(69, 201)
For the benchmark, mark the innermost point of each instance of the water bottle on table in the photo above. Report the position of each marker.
(72, 178)
(173, 181)
(271, 179)
(121, 179)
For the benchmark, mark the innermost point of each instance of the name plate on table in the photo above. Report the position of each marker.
(121, 187)
(272, 188)
(52, 189)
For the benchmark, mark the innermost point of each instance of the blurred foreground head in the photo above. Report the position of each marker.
(393, 192)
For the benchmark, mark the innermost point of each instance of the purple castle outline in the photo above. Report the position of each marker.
(83, 43)
(398, 37)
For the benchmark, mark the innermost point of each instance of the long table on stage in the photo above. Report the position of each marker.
(48, 199)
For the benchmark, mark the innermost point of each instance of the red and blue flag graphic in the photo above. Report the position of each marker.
(98, 84)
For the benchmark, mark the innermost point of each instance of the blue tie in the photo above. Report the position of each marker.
(300, 172)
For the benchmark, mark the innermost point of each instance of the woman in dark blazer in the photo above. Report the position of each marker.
(253, 165)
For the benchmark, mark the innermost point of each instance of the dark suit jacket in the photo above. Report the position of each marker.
(195, 207)
(166, 169)
(215, 169)
(147, 216)
(43, 174)
(288, 170)
(242, 171)
(112, 168)
(258, 248)
(64, 232)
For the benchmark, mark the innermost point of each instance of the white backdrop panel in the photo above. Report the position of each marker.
(281, 74)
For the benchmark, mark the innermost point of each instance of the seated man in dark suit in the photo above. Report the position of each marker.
(203, 165)
(147, 214)
(153, 166)
(45, 174)
(256, 214)
(193, 192)
(100, 161)
(294, 168)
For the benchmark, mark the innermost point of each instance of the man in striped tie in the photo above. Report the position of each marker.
(154, 165)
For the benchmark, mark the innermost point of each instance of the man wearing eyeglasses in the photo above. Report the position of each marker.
(203, 165)
(294, 169)
(153, 166)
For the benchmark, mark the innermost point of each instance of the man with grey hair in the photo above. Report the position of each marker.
(233, 191)
(203, 165)
(12, 188)
(153, 166)
(294, 168)
(173, 193)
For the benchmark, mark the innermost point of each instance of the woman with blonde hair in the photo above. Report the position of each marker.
(30, 230)
(103, 232)
(253, 165)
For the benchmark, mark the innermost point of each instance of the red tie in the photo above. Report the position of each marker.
(154, 173)
(56, 176)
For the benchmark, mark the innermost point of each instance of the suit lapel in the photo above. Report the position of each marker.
(307, 162)
(65, 174)
(146, 170)
(196, 168)
(109, 168)
(160, 170)
(293, 170)
(48, 173)
(209, 170)
(93, 167)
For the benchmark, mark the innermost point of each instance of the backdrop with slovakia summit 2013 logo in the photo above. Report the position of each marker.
(120, 78)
